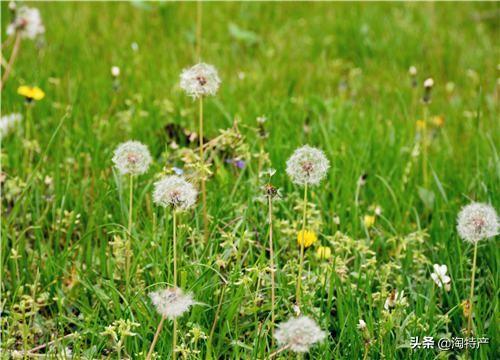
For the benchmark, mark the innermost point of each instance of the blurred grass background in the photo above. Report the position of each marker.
(331, 75)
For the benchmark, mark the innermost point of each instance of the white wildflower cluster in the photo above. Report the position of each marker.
(132, 157)
(171, 302)
(299, 334)
(307, 165)
(477, 221)
(440, 278)
(174, 191)
(9, 123)
(28, 22)
(200, 80)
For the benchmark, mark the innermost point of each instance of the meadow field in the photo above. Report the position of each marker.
(258, 262)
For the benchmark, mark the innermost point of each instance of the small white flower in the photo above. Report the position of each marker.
(28, 22)
(439, 275)
(115, 71)
(299, 334)
(132, 157)
(428, 83)
(174, 191)
(361, 324)
(412, 70)
(200, 80)
(307, 165)
(477, 221)
(134, 46)
(171, 302)
(9, 123)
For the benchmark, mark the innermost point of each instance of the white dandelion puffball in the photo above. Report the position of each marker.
(439, 275)
(28, 22)
(299, 334)
(200, 80)
(115, 71)
(132, 157)
(428, 83)
(307, 165)
(477, 221)
(9, 123)
(174, 191)
(171, 302)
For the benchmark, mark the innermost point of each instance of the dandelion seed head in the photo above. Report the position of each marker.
(115, 71)
(9, 123)
(200, 80)
(477, 221)
(171, 302)
(428, 83)
(132, 157)
(28, 22)
(307, 165)
(299, 334)
(412, 70)
(174, 191)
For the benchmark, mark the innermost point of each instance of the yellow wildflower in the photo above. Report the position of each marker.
(306, 238)
(420, 124)
(323, 252)
(31, 92)
(369, 220)
(438, 121)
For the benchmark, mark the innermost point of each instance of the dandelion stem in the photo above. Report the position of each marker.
(473, 277)
(174, 334)
(129, 229)
(271, 255)
(424, 147)
(155, 339)
(301, 263)
(174, 340)
(203, 175)
(175, 246)
(13, 56)
(279, 351)
(27, 135)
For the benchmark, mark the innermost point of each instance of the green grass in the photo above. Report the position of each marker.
(342, 69)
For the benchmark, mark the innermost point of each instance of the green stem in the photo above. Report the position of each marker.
(301, 263)
(174, 335)
(473, 277)
(271, 255)
(175, 246)
(203, 185)
(129, 230)
(424, 148)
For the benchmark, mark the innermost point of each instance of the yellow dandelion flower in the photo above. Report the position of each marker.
(369, 221)
(31, 92)
(306, 238)
(438, 121)
(323, 252)
(420, 124)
